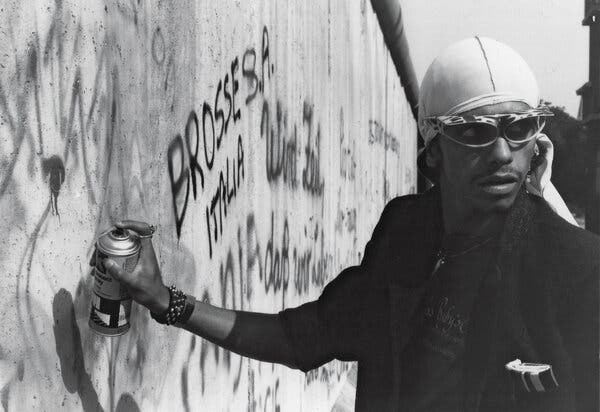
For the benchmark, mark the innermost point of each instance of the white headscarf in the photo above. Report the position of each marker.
(477, 72)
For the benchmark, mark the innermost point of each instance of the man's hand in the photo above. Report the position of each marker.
(144, 283)
(256, 335)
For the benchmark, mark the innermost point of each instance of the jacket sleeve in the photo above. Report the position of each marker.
(342, 322)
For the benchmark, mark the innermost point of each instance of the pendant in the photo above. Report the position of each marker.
(441, 259)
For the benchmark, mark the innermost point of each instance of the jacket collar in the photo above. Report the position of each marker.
(414, 240)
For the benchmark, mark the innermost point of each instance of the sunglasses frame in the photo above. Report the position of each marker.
(439, 123)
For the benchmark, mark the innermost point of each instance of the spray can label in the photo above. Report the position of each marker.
(111, 304)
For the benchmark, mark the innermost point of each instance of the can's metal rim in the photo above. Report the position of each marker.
(118, 242)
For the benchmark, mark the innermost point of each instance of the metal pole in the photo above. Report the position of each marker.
(389, 15)
(591, 116)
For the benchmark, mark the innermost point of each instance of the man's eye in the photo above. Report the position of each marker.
(521, 129)
(470, 132)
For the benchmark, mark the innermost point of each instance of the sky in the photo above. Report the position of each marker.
(547, 33)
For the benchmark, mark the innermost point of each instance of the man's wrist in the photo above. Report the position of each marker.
(188, 309)
(178, 309)
(161, 304)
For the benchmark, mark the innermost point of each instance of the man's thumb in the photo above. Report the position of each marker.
(114, 270)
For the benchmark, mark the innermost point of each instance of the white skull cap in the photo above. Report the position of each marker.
(477, 72)
(472, 73)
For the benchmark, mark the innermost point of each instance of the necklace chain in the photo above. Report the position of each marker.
(462, 252)
(441, 256)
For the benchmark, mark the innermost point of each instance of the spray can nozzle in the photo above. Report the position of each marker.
(119, 233)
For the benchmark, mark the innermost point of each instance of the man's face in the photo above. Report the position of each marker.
(485, 179)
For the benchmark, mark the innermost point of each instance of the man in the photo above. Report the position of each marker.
(455, 283)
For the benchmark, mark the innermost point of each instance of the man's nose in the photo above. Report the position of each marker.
(500, 152)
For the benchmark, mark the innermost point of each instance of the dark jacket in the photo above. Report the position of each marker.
(541, 303)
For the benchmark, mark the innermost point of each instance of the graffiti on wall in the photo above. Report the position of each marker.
(236, 159)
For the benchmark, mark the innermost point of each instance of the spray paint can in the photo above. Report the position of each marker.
(111, 304)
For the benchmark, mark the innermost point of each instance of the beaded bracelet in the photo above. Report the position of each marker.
(180, 308)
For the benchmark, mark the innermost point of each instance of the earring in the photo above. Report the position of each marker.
(536, 150)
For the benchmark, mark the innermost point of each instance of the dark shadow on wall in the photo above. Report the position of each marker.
(127, 404)
(70, 352)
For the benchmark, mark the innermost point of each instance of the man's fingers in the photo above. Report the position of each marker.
(142, 228)
(115, 270)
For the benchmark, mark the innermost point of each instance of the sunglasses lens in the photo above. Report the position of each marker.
(522, 130)
(472, 133)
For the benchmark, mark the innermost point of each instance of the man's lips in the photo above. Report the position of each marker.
(498, 184)
(498, 179)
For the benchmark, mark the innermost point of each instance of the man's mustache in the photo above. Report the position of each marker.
(504, 173)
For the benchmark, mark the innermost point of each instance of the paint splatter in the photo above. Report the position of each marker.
(54, 169)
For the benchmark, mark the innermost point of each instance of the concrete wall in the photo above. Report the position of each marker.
(262, 138)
